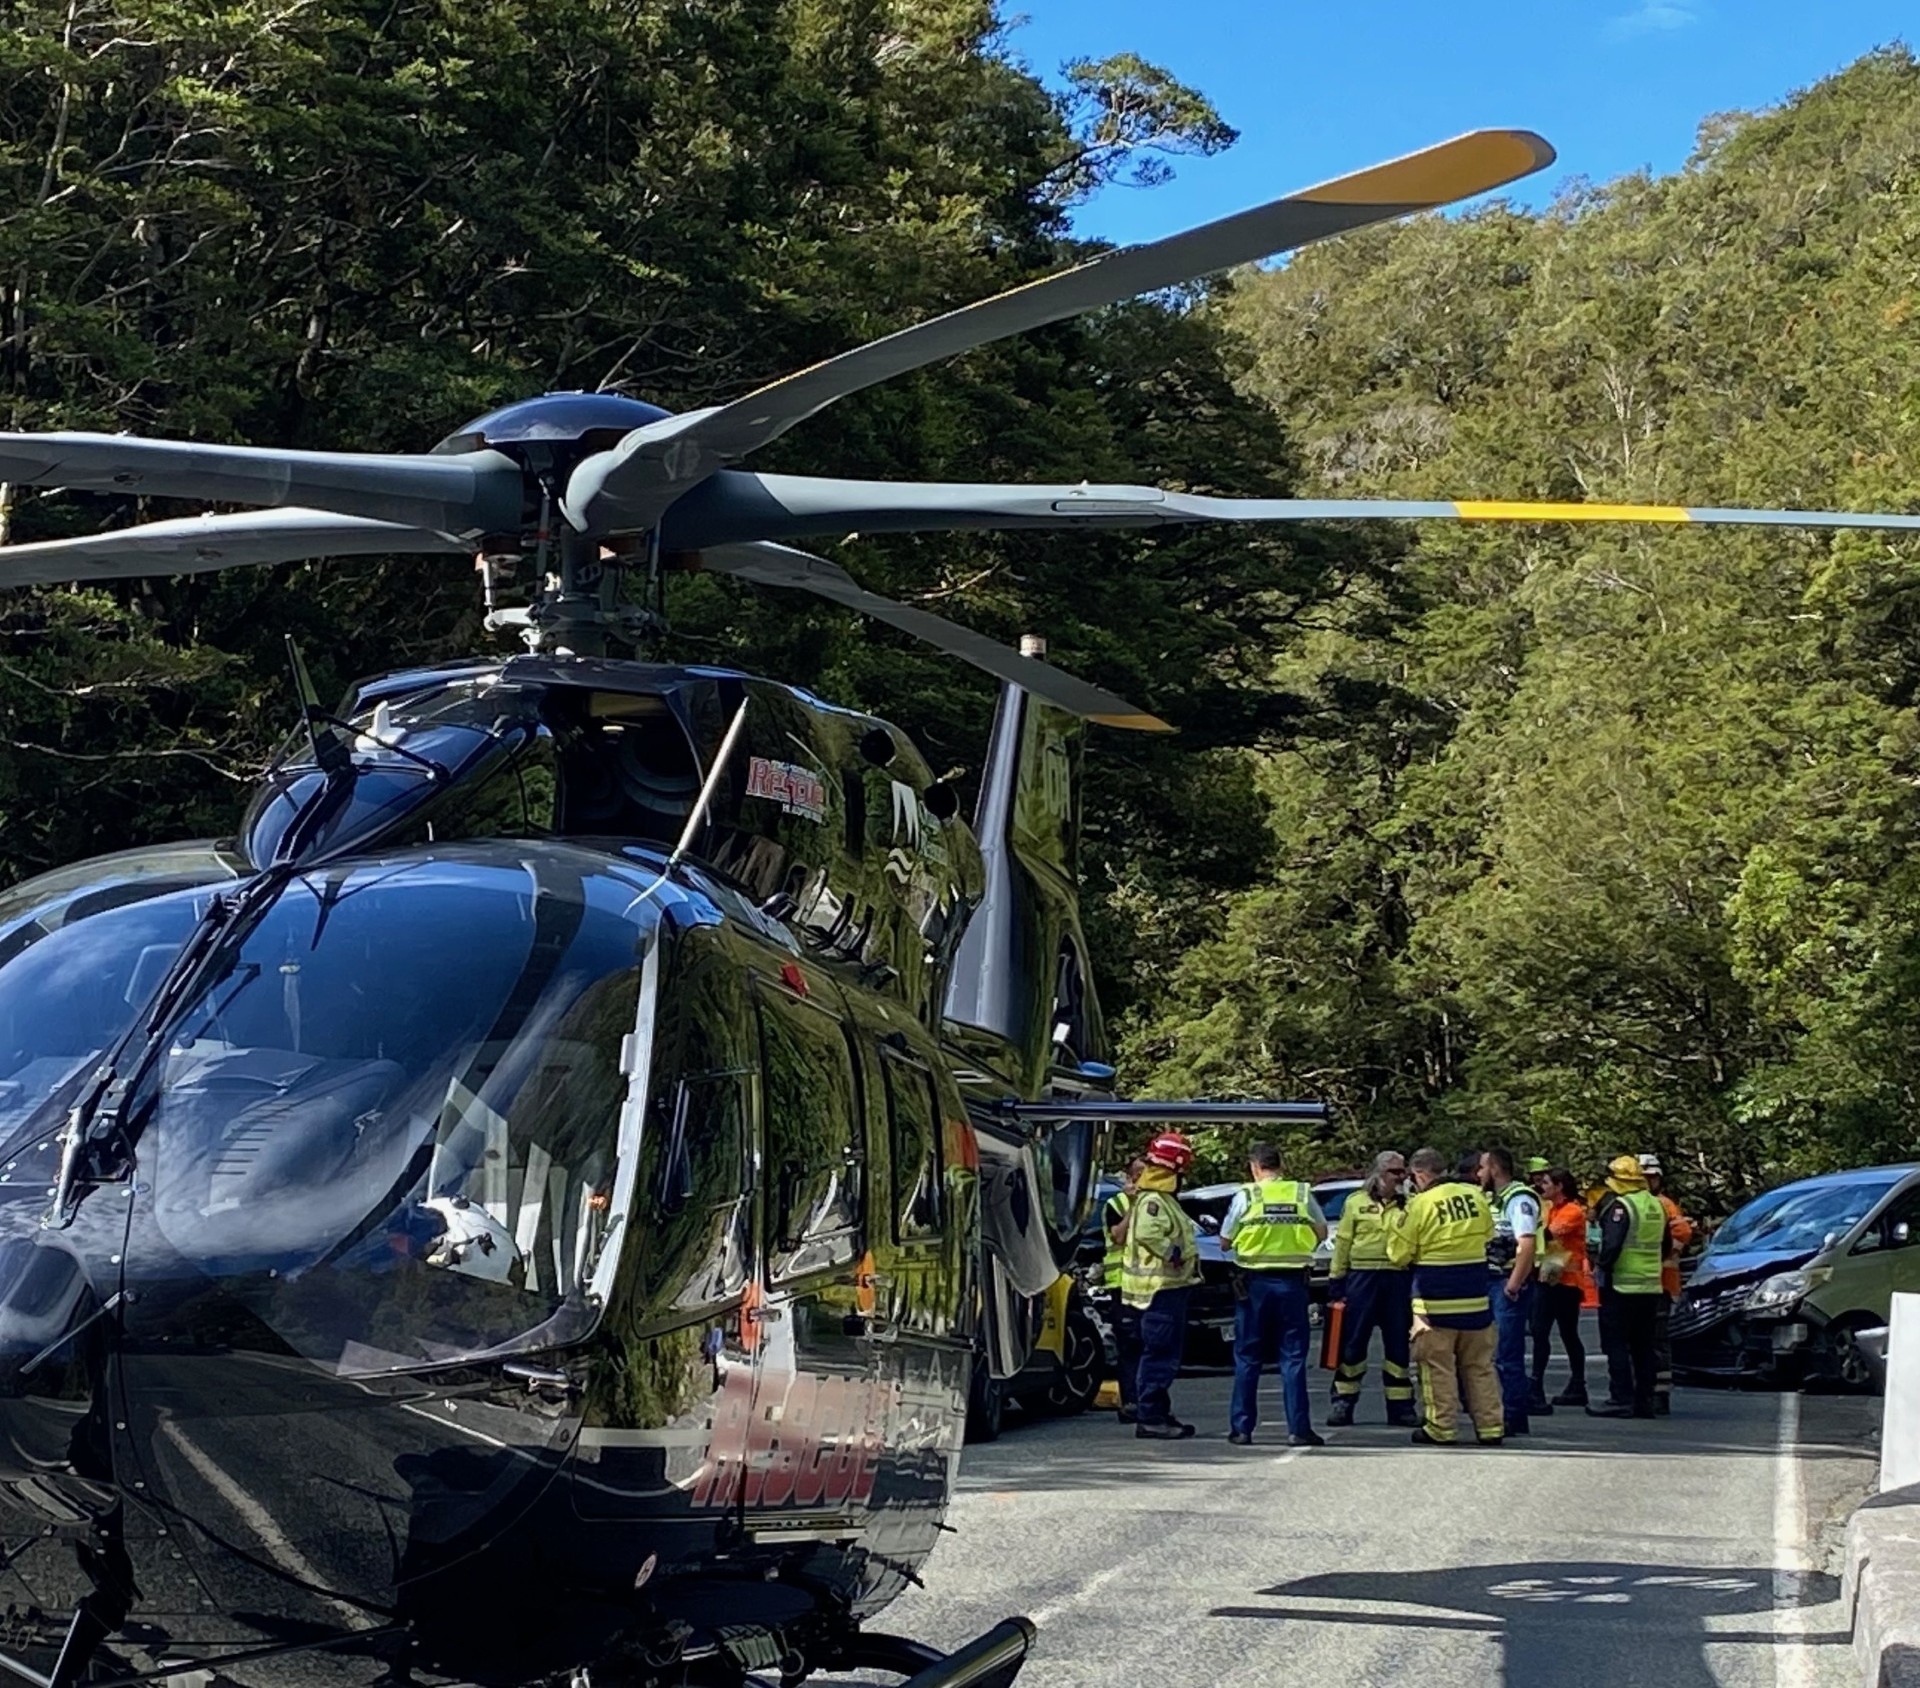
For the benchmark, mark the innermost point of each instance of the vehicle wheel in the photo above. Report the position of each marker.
(1851, 1369)
(986, 1403)
(1081, 1366)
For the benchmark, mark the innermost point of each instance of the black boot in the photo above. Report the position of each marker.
(1402, 1414)
(1341, 1412)
(1171, 1431)
(1537, 1402)
(1574, 1395)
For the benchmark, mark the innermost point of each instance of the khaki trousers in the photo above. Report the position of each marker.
(1437, 1354)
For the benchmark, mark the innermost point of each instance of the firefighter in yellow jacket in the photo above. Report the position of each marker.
(1159, 1265)
(1372, 1294)
(1442, 1240)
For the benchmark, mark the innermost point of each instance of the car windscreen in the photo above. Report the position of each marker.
(1798, 1218)
(1332, 1201)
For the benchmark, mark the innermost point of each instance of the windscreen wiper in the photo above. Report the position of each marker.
(100, 1115)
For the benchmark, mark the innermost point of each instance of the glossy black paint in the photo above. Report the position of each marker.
(302, 1377)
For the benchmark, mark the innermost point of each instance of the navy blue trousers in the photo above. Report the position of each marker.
(1126, 1340)
(1382, 1301)
(1163, 1342)
(1271, 1324)
(1512, 1321)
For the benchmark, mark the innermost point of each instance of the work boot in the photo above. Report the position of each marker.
(1612, 1409)
(1574, 1395)
(1401, 1414)
(1422, 1439)
(1171, 1431)
(1663, 1405)
(1537, 1402)
(1340, 1413)
(1518, 1427)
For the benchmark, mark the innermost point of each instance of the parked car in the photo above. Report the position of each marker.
(1210, 1317)
(1793, 1279)
(1331, 1194)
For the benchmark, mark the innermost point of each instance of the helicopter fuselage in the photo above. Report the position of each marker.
(511, 1241)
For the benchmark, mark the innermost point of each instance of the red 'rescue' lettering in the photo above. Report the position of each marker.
(718, 1481)
(816, 1442)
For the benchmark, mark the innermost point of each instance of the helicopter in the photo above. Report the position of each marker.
(537, 1201)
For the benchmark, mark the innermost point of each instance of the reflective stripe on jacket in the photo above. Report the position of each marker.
(1444, 1238)
(1161, 1251)
(1110, 1216)
(1276, 1231)
(1360, 1239)
(1637, 1271)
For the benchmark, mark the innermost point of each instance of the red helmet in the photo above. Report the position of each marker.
(1170, 1150)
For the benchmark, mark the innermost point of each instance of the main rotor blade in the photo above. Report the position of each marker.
(468, 493)
(780, 565)
(202, 543)
(735, 505)
(631, 483)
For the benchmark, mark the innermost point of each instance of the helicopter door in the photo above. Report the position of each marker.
(820, 1407)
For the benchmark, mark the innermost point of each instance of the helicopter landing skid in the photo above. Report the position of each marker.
(991, 1660)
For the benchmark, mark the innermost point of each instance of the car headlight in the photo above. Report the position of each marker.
(1783, 1291)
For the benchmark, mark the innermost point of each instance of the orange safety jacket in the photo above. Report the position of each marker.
(1680, 1229)
(1567, 1237)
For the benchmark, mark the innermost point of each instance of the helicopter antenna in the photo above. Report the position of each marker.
(330, 753)
(708, 787)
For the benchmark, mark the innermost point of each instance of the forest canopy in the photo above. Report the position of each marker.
(1581, 838)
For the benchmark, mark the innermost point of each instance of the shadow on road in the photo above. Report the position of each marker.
(1564, 1624)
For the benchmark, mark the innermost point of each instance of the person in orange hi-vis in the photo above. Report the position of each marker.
(1680, 1231)
(1566, 1284)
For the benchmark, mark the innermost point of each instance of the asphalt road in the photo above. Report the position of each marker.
(1686, 1552)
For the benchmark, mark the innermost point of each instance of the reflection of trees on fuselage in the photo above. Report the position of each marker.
(693, 1242)
(814, 1140)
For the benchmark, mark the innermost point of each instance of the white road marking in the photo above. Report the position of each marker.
(261, 1522)
(1081, 1595)
(1793, 1665)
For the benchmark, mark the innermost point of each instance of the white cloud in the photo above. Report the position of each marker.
(1653, 17)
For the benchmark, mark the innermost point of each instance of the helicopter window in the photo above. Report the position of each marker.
(395, 1129)
(514, 800)
(70, 991)
(913, 1116)
(698, 1250)
(813, 1137)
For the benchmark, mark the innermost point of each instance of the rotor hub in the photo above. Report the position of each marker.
(588, 421)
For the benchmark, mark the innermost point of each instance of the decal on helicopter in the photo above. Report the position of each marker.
(818, 1444)
(797, 790)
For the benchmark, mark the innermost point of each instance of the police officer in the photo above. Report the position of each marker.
(1125, 1320)
(1272, 1228)
(1373, 1294)
(1442, 1237)
(1159, 1265)
(1633, 1245)
(1516, 1231)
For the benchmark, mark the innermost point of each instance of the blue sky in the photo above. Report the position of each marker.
(1320, 87)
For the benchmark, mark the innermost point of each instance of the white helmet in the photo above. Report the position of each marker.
(1650, 1165)
(474, 1241)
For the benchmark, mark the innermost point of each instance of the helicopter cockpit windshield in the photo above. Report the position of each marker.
(395, 1125)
